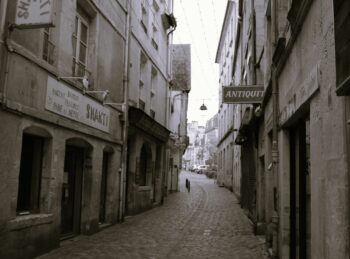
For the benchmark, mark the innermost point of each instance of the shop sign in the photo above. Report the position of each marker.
(243, 94)
(72, 104)
(34, 13)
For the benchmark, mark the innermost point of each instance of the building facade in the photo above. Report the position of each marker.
(149, 89)
(180, 88)
(194, 154)
(211, 141)
(294, 145)
(62, 161)
(82, 105)
(226, 112)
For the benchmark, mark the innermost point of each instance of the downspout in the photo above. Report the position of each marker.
(3, 51)
(122, 187)
(274, 148)
(3, 10)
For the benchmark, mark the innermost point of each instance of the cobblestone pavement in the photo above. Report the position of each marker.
(204, 223)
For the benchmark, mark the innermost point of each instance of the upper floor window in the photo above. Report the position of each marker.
(342, 45)
(155, 37)
(80, 44)
(144, 18)
(48, 46)
(155, 5)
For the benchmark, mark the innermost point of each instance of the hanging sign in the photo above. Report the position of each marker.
(34, 14)
(243, 94)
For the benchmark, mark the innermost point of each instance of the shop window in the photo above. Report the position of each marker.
(342, 45)
(30, 175)
(80, 43)
(48, 46)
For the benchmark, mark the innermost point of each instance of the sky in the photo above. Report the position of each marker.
(199, 23)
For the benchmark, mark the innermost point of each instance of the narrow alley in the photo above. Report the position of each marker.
(207, 222)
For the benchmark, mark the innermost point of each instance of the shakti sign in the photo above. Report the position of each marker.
(243, 94)
(71, 104)
(34, 13)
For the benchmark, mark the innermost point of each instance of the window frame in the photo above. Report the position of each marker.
(26, 187)
(79, 20)
(48, 46)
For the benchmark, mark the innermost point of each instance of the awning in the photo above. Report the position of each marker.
(140, 120)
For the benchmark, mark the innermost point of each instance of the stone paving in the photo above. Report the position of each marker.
(204, 223)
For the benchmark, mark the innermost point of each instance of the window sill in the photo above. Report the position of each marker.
(22, 222)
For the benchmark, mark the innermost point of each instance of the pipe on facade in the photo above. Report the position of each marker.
(274, 148)
(3, 10)
(122, 187)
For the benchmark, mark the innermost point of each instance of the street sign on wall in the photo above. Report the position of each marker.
(69, 103)
(34, 13)
(243, 94)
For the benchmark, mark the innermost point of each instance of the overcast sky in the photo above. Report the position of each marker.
(199, 24)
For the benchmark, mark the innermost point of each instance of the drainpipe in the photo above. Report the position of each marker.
(122, 187)
(274, 151)
(3, 10)
(3, 51)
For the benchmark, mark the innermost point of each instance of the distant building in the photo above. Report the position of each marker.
(226, 175)
(180, 87)
(195, 151)
(211, 141)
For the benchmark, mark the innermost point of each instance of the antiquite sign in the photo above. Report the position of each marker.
(72, 104)
(243, 94)
(34, 13)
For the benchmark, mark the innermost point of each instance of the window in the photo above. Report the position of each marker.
(153, 114)
(342, 45)
(30, 175)
(155, 37)
(154, 78)
(80, 44)
(155, 5)
(48, 46)
(142, 105)
(144, 18)
(143, 68)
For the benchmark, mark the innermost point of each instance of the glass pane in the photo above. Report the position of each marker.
(74, 46)
(81, 69)
(76, 25)
(73, 67)
(82, 54)
(84, 31)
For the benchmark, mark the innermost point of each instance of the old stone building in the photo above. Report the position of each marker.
(85, 104)
(180, 88)
(152, 24)
(294, 145)
(61, 147)
(224, 55)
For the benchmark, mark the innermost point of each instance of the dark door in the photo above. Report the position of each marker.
(71, 190)
(103, 193)
(300, 196)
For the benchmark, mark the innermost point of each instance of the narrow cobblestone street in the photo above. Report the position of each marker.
(205, 223)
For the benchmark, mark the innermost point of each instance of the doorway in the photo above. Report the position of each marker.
(300, 194)
(72, 191)
(103, 192)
